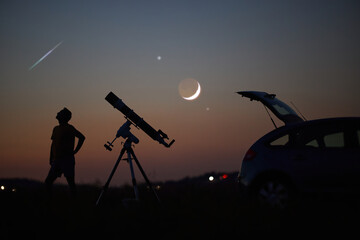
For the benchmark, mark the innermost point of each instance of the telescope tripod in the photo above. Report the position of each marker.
(131, 155)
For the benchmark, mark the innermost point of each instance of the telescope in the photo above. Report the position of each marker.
(124, 132)
(137, 121)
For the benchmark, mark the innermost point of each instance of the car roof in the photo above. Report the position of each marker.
(335, 120)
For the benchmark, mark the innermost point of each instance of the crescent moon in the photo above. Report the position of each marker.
(196, 94)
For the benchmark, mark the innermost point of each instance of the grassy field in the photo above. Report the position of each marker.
(188, 209)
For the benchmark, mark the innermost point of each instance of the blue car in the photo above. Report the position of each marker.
(318, 156)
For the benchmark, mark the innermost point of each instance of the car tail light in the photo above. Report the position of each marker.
(250, 155)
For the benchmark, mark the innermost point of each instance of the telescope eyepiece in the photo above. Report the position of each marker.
(163, 135)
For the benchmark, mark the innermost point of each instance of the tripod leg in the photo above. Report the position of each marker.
(144, 175)
(133, 177)
(110, 177)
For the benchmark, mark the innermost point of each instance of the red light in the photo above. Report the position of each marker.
(250, 155)
(225, 176)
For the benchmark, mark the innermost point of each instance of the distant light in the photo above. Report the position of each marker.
(211, 178)
(159, 58)
(207, 109)
(2, 187)
(13, 190)
(225, 176)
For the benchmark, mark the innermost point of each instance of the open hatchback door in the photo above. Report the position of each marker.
(277, 107)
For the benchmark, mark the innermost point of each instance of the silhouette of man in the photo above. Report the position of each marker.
(62, 152)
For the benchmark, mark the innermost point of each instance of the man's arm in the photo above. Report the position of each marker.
(81, 140)
(52, 146)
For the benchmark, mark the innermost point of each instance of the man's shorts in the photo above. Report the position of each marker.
(64, 165)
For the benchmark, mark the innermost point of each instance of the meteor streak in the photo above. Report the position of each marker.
(30, 68)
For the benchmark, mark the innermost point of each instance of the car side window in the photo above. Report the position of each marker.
(308, 137)
(334, 140)
(281, 141)
(313, 143)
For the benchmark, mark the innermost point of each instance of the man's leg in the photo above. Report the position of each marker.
(71, 182)
(69, 173)
(49, 182)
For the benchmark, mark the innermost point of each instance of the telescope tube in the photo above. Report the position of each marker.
(137, 120)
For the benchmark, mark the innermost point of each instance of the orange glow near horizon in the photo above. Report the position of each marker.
(293, 50)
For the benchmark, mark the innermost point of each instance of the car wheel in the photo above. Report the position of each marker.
(274, 193)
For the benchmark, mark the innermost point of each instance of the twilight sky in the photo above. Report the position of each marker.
(306, 52)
